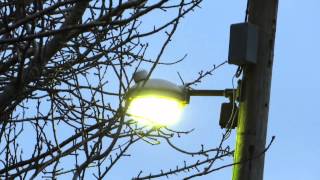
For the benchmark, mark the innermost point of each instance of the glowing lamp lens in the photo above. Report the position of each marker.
(155, 110)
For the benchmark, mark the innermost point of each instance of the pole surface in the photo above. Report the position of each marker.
(254, 103)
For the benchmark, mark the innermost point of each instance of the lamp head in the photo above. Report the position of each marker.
(155, 102)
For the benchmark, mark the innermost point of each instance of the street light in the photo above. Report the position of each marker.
(155, 102)
(158, 102)
(243, 51)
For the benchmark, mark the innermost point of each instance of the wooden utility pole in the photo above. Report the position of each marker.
(254, 106)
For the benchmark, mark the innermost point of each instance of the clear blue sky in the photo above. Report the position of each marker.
(293, 117)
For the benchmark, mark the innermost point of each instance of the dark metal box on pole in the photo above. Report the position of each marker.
(243, 45)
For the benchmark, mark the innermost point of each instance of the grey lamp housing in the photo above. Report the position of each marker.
(160, 87)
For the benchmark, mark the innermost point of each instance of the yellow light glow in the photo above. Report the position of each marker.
(155, 111)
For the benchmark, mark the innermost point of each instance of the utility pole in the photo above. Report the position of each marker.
(254, 103)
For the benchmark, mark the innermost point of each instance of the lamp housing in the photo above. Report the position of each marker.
(155, 102)
(159, 87)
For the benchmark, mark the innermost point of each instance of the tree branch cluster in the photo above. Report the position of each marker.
(64, 69)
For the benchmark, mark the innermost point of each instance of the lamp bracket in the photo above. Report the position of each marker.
(229, 93)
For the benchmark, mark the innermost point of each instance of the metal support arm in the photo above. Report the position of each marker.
(226, 93)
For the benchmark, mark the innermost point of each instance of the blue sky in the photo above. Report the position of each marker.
(293, 118)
